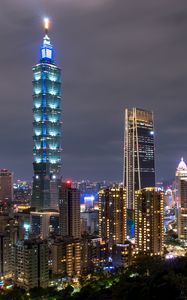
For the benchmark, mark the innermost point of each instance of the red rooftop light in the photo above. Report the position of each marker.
(68, 182)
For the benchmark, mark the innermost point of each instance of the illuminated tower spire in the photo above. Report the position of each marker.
(46, 25)
(46, 126)
(47, 50)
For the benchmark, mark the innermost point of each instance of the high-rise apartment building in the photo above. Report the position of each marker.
(183, 210)
(149, 221)
(6, 186)
(181, 175)
(66, 256)
(6, 268)
(46, 127)
(31, 264)
(69, 207)
(139, 162)
(11, 227)
(112, 215)
(94, 252)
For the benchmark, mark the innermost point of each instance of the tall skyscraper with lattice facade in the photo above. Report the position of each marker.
(46, 127)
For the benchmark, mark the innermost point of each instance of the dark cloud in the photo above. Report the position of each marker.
(113, 54)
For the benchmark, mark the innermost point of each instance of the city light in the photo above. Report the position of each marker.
(46, 24)
(68, 182)
(88, 235)
(89, 198)
(26, 226)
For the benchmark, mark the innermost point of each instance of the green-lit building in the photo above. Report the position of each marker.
(46, 128)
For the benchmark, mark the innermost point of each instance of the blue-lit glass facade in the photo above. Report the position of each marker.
(46, 126)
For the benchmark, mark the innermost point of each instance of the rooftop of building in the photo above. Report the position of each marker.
(182, 165)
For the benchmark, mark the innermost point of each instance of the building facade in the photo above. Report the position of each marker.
(90, 222)
(31, 264)
(113, 215)
(139, 161)
(6, 186)
(46, 128)
(122, 254)
(149, 221)
(94, 254)
(22, 192)
(181, 175)
(6, 266)
(44, 223)
(69, 207)
(66, 257)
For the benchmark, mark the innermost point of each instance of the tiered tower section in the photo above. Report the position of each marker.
(46, 127)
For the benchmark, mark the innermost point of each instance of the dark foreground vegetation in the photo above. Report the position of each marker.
(150, 278)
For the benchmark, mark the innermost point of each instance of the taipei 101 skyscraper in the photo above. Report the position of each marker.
(46, 127)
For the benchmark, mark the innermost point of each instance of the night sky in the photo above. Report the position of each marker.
(113, 54)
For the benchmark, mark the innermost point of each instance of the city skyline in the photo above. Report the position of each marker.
(94, 219)
(109, 64)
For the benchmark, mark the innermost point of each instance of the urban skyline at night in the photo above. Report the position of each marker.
(93, 150)
(93, 173)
